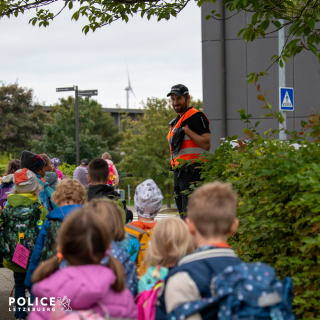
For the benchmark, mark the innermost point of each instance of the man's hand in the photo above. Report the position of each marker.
(203, 141)
(186, 129)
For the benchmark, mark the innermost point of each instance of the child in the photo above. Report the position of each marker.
(56, 164)
(147, 202)
(7, 181)
(98, 176)
(171, 241)
(211, 218)
(84, 240)
(50, 176)
(113, 214)
(114, 180)
(69, 195)
(20, 228)
(36, 164)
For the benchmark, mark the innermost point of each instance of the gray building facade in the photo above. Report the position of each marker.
(242, 58)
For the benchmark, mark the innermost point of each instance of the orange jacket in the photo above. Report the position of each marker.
(189, 150)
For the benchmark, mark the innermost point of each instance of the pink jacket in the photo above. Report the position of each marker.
(85, 286)
(115, 171)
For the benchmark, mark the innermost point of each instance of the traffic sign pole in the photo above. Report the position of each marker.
(77, 125)
(86, 93)
(282, 82)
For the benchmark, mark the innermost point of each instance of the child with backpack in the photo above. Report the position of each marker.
(36, 164)
(50, 176)
(20, 231)
(114, 176)
(115, 215)
(56, 164)
(98, 176)
(147, 202)
(7, 181)
(84, 240)
(212, 282)
(69, 196)
(171, 241)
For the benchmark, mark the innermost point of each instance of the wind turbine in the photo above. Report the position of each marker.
(128, 89)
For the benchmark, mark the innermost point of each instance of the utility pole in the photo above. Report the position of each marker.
(282, 81)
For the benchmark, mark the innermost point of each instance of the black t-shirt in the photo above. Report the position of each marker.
(198, 123)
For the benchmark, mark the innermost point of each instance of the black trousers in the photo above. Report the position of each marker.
(182, 181)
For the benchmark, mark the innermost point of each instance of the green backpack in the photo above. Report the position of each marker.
(20, 226)
(50, 244)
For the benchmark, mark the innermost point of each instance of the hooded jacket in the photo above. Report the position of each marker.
(86, 286)
(101, 191)
(46, 194)
(56, 214)
(15, 200)
(51, 179)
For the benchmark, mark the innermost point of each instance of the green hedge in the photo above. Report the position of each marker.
(279, 208)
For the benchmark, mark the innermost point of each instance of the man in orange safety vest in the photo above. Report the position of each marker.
(189, 136)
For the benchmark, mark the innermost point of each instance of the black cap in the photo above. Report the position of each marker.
(84, 162)
(179, 89)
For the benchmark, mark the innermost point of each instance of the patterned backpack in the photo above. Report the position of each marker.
(20, 226)
(243, 291)
(50, 244)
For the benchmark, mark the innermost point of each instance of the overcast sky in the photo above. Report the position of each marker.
(158, 54)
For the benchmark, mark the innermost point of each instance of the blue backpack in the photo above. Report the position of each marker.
(244, 291)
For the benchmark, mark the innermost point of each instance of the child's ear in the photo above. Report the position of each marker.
(88, 177)
(234, 227)
(191, 226)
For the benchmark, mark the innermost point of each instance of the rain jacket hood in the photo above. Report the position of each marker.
(86, 286)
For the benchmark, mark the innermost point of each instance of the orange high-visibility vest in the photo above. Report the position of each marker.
(189, 150)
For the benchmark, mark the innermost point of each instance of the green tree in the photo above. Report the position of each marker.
(21, 120)
(98, 132)
(302, 17)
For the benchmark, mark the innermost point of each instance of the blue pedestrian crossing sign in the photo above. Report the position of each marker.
(286, 99)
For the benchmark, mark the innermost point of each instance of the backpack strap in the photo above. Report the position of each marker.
(211, 253)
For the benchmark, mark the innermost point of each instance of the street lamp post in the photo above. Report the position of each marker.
(85, 93)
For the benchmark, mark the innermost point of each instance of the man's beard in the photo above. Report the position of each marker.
(183, 108)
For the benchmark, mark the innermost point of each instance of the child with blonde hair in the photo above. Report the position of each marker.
(170, 242)
(69, 195)
(84, 240)
(115, 216)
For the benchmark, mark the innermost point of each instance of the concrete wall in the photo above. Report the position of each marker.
(242, 58)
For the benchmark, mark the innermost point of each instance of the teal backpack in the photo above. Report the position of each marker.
(19, 226)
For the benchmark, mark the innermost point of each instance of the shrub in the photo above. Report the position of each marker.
(67, 169)
(279, 204)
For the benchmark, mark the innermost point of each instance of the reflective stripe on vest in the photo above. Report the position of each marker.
(189, 150)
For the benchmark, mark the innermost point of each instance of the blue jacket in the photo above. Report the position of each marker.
(192, 278)
(56, 214)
